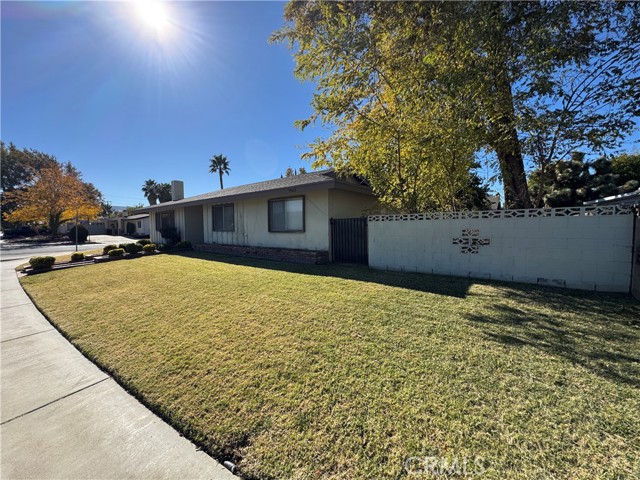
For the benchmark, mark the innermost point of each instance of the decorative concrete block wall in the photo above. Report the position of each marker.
(588, 248)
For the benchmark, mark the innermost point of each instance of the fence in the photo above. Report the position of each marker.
(580, 247)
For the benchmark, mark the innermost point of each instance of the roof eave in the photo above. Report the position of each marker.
(273, 193)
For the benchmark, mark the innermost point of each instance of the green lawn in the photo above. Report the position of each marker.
(311, 372)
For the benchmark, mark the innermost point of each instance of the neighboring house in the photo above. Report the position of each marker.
(287, 213)
(112, 225)
(95, 227)
(494, 201)
(140, 224)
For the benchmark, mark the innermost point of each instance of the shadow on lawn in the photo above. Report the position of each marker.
(439, 285)
(602, 333)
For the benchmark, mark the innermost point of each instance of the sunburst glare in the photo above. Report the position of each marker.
(154, 16)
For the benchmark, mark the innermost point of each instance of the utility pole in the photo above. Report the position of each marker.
(76, 229)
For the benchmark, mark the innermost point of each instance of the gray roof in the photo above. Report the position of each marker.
(631, 198)
(280, 186)
(136, 217)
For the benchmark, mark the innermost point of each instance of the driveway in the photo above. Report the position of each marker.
(24, 251)
(62, 417)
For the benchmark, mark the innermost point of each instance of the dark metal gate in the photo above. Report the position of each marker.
(349, 240)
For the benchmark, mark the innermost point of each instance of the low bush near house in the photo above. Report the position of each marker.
(184, 244)
(133, 248)
(122, 245)
(116, 252)
(163, 247)
(77, 257)
(83, 234)
(42, 263)
(170, 234)
(144, 241)
(108, 248)
(149, 248)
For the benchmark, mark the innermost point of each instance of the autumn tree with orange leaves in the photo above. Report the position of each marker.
(54, 196)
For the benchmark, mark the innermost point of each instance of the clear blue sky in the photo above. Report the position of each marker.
(95, 84)
(100, 85)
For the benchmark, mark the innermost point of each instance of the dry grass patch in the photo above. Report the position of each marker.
(342, 372)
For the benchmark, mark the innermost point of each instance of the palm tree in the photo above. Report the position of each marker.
(163, 190)
(219, 164)
(150, 190)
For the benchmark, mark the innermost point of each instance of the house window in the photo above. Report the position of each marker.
(223, 218)
(139, 224)
(286, 215)
(165, 219)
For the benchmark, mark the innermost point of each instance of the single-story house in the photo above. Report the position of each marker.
(139, 222)
(281, 218)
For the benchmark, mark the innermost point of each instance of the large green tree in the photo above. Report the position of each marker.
(20, 166)
(403, 82)
(414, 145)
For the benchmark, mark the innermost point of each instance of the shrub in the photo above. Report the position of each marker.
(184, 244)
(42, 263)
(23, 231)
(122, 245)
(149, 248)
(133, 248)
(77, 257)
(163, 247)
(108, 248)
(144, 241)
(170, 234)
(116, 252)
(83, 233)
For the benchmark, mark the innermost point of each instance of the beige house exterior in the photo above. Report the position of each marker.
(286, 213)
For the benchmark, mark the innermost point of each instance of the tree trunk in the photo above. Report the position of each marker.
(504, 134)
(506, 144)
(221, 185)
(54, 223)
(542, 180)
(516, 192)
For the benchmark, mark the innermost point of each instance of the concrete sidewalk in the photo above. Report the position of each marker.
(62, 417)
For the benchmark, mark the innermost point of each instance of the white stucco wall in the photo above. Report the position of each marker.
(590, 251)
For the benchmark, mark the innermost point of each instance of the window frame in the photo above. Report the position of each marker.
(233, 215)
(285, 199)
(160, 215)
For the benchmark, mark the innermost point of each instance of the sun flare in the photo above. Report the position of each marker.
(153, 14)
